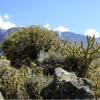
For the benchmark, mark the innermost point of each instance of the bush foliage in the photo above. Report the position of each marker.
(23, 46)
(42, 51)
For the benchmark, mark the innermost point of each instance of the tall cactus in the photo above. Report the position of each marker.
(78, 58)
(89, 53)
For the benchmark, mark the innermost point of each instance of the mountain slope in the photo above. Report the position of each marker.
(2, 34)
(73, 37)
(5, 33)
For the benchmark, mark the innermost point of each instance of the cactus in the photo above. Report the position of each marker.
(78, 58)
(90, 53)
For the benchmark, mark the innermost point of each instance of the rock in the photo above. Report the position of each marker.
(66, 85)
(87, 81)
(1, 97)
(42, 56)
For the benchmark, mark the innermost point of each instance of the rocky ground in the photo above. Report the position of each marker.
(24, 83)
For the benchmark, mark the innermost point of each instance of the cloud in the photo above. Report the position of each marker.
(6, 17)
(61, 29)
(5, 23)
(1, 19)
(58, 29)
(47, 26)
(92, 32)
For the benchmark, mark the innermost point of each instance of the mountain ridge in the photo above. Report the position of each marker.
(69, 36)
(74, 37)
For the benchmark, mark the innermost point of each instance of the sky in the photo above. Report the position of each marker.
(79, 16)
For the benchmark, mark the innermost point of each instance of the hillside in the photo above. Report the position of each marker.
(37, 64)
(74, 37)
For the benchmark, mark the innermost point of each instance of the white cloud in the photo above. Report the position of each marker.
(92, 32)
(5, 23)
(59, 28)
(6, 17)
(47, 26)
(1, 19)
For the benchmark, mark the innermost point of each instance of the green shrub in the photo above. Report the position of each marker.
(23, 46)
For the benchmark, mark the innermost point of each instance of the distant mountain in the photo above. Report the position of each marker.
(5, 33)
(98, 39)
(2, 34)
(74, 37)
(69, 36)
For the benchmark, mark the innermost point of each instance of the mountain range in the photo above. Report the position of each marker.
(74, 37)
(69, 36)
(5, 33)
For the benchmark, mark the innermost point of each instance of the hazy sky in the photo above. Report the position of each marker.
(80, 16)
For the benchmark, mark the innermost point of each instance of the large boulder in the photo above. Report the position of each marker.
(67, 85)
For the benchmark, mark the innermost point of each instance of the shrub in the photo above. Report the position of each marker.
(23, 46)
(35, 83)
(54, 58)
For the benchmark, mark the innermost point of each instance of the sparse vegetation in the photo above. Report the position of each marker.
(23, 50)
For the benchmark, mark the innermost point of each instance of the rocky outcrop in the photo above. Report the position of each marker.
(1, 97)
(67, 85)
